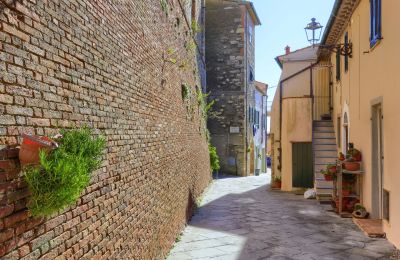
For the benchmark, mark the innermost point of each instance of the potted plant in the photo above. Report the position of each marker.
(277, 182)
(329, 172)
(351, 165)
(64, 172)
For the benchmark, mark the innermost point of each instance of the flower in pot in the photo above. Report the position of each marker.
(331, 168)
(277, 182)
(328, 175)
(341, 157)
(354, 154)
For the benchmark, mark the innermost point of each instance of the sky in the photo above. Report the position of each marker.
(283, 23)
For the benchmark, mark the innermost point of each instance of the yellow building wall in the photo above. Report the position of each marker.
(373, 73)
(296, 127)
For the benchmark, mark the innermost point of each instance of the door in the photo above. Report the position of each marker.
(302, 165)
(377, 162)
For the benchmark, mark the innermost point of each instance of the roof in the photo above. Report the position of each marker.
(250, 7)
(308, 53)
(340, 17)
(261, 87)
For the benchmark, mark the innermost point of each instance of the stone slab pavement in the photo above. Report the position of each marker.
(241, 218)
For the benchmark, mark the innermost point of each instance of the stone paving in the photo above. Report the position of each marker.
(241, 218)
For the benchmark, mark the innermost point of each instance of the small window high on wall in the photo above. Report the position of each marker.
(375, 20)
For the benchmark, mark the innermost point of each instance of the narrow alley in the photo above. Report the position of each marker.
(241, 218)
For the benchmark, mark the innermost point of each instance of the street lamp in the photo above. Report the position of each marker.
(313, 33)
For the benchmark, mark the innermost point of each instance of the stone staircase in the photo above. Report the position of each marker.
(325, 152)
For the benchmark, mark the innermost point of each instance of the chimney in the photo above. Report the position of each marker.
(287, 49)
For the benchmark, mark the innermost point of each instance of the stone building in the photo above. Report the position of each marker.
(230, 27)
(118, 66)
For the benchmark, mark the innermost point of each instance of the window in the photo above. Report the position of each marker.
(346, 47)
(338, 65)
(251, 75)
(250, 29)
(375, 22)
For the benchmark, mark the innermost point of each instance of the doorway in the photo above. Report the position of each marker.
(377, 162)
(302, 165)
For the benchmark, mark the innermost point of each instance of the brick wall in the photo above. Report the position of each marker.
(107, 64)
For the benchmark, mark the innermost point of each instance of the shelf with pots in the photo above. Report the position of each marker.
(348, 183)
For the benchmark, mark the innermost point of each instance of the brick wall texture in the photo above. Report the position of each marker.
(109, 64)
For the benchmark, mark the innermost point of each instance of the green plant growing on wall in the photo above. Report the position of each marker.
(214, 158)
(185, 91)
(65, 172)
(196, 28)
(164, 6)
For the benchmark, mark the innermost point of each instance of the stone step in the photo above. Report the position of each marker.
(321, 183)
(324, 160)
(323, 123)
(324, 147)
(323, 129)
(324, 192)
(329, 153)
(318, 135)
(324, 141)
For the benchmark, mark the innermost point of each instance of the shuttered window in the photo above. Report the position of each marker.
(338, 65)
(376, 34)
(346, 56)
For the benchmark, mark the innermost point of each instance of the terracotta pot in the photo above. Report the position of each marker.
(351, 166)
(328, 177)
(30, 147)
(345, 192)
(332, 169)
(276, 185)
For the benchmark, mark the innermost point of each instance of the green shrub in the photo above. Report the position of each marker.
(65, 172)
(214, 158)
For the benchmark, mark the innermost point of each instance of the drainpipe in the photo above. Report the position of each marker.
(245, 91)
(280, 103)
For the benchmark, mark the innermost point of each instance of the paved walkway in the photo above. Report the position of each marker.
(240, 218)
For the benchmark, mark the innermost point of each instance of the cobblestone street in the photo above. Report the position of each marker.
(240, 218)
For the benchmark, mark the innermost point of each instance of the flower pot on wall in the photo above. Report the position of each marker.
(30, 147)
(352, 166)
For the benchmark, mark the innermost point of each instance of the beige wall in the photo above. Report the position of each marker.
(296, 118)
(374, 73)
(296, 127)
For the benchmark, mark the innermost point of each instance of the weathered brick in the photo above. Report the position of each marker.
(23, 111)
(6, 234)
(7, 99)
(38, 122)
(14, 31)
(7, 120)
(45, 238)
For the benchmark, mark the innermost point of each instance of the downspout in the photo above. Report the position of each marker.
(245, 91)
(280, 104)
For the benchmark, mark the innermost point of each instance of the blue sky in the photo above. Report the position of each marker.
(283, 23)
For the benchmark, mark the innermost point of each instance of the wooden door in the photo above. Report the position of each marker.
(302, 165)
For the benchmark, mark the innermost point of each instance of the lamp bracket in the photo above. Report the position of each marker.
(342, 48)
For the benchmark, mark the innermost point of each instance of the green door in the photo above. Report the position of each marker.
(303, 176)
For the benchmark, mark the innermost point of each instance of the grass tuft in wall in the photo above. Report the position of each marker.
(65, 172)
